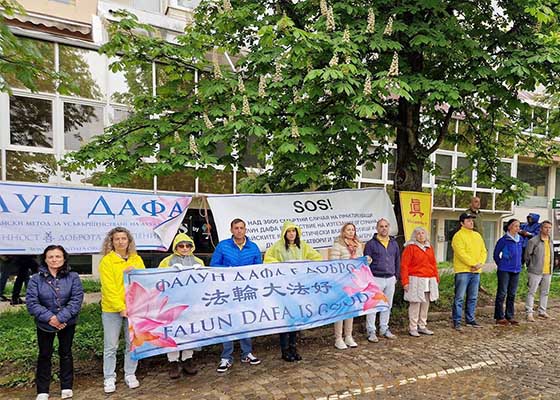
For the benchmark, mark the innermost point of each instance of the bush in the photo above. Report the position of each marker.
(90, 286)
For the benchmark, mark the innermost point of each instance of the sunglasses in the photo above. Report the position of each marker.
(184, 246)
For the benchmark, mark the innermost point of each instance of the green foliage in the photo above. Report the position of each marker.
(316, 82)
(91, 285)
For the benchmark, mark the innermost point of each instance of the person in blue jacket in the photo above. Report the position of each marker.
(236, 251)
(529, 230)
(507, 255)
(54, 298)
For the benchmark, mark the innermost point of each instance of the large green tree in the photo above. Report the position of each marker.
(314, 83)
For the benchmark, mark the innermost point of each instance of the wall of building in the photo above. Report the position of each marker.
(73, 10)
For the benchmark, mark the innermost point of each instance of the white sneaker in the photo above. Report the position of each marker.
(413, 332)
(372, 338)
(109, 385)
(340, 345)
(389, 335)
(425, 331)
(42, 396)
(66, 394)
(350, 342)
(131, 381)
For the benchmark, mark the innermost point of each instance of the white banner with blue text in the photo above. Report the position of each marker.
(35, 216)
(319, 214)
(179, 308)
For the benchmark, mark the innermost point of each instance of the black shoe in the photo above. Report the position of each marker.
(4, 298)
(474, 324)
(189, 367)
(174, 369)
(16, 301)
(287, 355)
(295, 354)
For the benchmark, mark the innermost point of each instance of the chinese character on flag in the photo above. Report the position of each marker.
(415, 208)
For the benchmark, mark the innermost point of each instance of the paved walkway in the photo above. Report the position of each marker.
(491, 363)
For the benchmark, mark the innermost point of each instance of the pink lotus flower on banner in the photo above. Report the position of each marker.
(364, 283)
(161, 209)
(146, 313)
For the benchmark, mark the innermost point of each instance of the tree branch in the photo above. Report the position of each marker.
(443, 130)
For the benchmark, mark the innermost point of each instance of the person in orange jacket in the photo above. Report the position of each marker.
(420, 279)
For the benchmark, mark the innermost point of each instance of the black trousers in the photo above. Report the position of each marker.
(44, 363)
(287, 339)
(21, 279)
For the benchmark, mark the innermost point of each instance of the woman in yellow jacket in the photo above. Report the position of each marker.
(290, 247)
(183, 249)
(120, 256)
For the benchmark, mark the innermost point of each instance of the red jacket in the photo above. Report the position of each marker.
(417, 262)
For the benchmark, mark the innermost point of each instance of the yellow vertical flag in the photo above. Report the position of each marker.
(416, 210)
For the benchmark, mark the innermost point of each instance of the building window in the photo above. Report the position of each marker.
(192, 4)
(70, 2)
(147, 5)
(557, 188)
(81, 123)
(537, 177)
(24, 166)
(31, 122)
(86, 69)
(375, 173)
(46, 50)
(392, 165)
(464, 165)
(444, 165)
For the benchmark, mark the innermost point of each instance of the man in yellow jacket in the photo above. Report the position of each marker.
(469, 255)
(183, 249)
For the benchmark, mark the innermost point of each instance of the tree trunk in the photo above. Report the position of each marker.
(410, 158)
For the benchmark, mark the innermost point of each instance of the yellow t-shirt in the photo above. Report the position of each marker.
(384, 242)
(546, 266)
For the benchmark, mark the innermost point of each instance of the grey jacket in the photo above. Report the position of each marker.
(534, 255)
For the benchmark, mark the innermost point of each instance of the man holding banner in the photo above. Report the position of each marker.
(385, 267)
(237, 251)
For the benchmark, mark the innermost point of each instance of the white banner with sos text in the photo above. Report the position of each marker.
(319, 214)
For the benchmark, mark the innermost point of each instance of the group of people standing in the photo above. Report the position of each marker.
(55, 294)
(529, 243)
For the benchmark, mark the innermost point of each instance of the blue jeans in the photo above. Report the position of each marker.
(112, 325)
(507, 285)
(387, 286)
(465, 283)
(246, 348)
